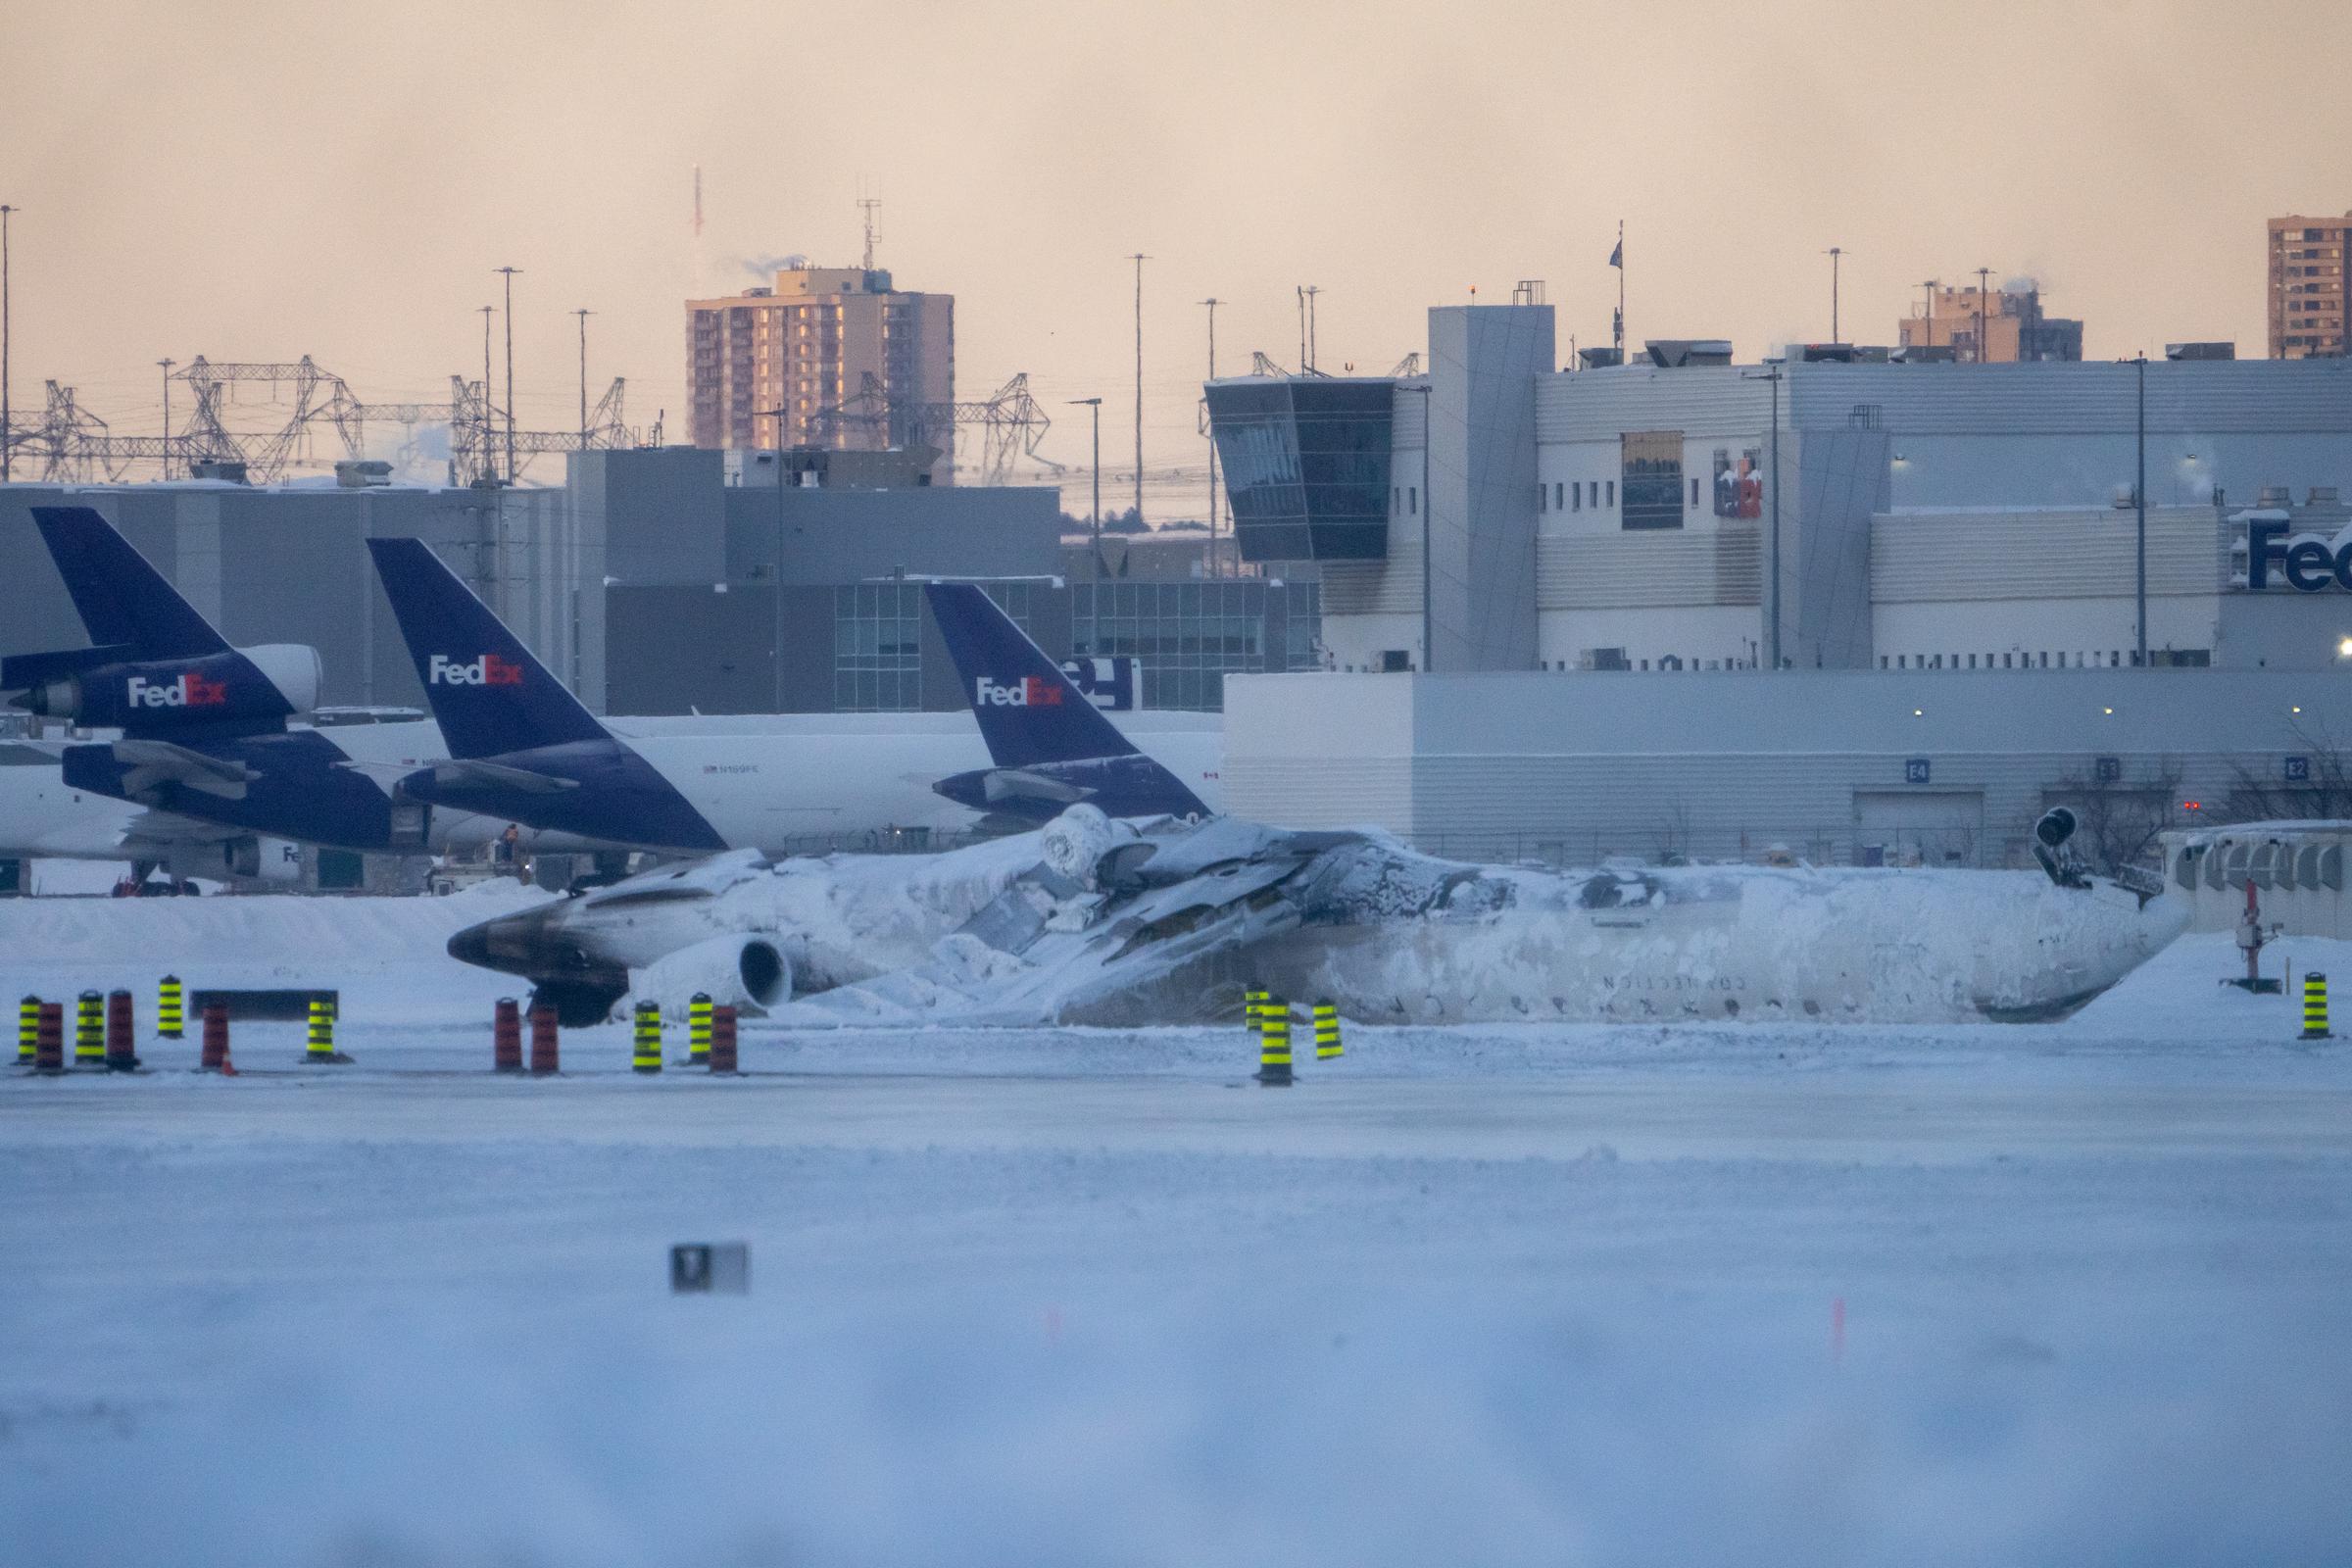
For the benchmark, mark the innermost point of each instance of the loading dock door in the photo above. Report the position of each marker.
(1919, 827)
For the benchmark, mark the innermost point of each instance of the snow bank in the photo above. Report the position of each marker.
(387, 955)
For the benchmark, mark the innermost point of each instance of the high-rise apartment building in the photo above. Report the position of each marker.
(810, 343)
(2307, 286)
(1991, 326)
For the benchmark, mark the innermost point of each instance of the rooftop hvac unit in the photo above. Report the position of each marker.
(1603, 659)
(366, 473)
(1600, 359)
(2200, 351)
(1677, 352)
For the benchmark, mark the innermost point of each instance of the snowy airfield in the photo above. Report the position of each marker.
(2066, 1292)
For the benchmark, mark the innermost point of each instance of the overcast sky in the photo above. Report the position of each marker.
(256, 180)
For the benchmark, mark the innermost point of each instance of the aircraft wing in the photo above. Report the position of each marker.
(149, 762)
(153, 834)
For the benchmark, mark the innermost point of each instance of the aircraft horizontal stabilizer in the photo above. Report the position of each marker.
(1020, 784)
(522, 780)
(20, 672)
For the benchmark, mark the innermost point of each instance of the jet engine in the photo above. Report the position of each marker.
(216, 689)
(733, 972)
(1075, 840)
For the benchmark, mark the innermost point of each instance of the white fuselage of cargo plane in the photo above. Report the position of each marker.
(777, 783)
(42, 819)
(795, 779)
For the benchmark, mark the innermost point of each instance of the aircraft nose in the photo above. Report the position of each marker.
(472, 944)
(515, 944)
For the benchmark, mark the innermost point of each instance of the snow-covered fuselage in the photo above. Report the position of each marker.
(1096, 922)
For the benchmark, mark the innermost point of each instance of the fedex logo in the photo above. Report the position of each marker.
(1027, 692)
(188, 691)
(487, 670)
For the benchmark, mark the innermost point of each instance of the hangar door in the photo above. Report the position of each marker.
(1919, 827)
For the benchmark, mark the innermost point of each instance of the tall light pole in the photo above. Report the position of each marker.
(1984, 350)
(1096, 404)
(8, 434)
(1429, 647)
(510, 273)
(1212, 303)
(1773, 631)
(489, 474)
(583, 314)
(2140, 510)
(776, 643)
(166, 368)
(1139, 259)
(1833, 252)
(778, 411)
(1926, 314)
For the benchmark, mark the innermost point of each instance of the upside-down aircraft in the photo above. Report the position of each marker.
(1097, 921)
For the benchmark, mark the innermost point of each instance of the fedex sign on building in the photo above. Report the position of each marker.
(2309, 564)
(487, 670)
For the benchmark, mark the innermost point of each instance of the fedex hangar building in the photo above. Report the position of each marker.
(1553, 600)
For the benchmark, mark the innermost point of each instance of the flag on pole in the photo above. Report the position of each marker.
(1617, 256)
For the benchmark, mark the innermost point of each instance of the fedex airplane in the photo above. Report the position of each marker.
(522, 747)
(210, 774)
(1048, 744)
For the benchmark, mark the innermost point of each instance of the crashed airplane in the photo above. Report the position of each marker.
(1093, 920)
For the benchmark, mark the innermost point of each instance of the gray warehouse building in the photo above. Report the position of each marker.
(668, 580)
(1945, 556)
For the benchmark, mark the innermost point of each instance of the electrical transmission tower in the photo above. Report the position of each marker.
(1011, 424)
(74, 446)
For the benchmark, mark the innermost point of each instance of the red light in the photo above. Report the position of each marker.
(2191, 806)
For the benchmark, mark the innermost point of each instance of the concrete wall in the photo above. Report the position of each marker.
(1840, 480)
(830, 536)
(1485, 360)
(1721, 765)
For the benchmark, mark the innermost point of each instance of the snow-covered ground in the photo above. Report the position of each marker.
(1996, 1294)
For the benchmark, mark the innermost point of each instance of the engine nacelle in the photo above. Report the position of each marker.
(733, 972)
(293, 668)
(266, 859)
(250, 685)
